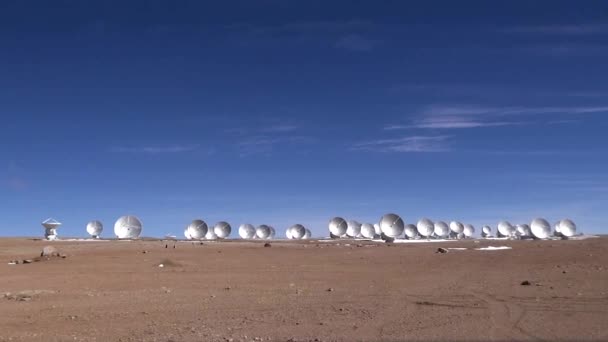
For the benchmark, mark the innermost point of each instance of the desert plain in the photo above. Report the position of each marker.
(304, 291)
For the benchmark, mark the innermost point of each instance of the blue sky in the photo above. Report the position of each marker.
(283, 112)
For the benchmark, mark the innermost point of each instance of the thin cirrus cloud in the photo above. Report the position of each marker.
(280, 128)
(302, 27)
(156, 149)
(266, 144)
(450, 123)
(572, 29)
(458, 117)
(406, 144)
(503, 111)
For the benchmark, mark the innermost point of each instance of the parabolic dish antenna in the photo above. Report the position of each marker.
(262, 231)
(468, 230)
(353, 229)
(94, 228)
(247, 231)
(425, 227)
(197, 229)
(558, 229)
(486, 231)
(392, 225)
(441, 229)
(288, 233)
(523, 230)
(187, 234)
(210, 235)
(456, 227)
(410, 231)
(541, 229)
(297, 231)
(307, 234)
(377, 229)
(337, 226)
(505, 229)
(567, 227)
(368, 231)
(222, 229)
(51, 223)
(128, 227)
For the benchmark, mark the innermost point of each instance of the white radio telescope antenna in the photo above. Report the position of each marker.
(222, 229)
(297, 231)
(197, 229)
(94, 228)
(337, 226)
(128, 227)
(425, 227)
(468, 230)
(247, 231)
(541, 229)
(263, 231)
(505, 229)
(456, 227)
(567, 228)
(392, 225)
(353, 229)
(441, 229)
(368, 231)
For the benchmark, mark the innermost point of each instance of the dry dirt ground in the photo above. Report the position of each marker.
(304, 291)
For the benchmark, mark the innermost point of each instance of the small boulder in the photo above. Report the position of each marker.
(525, 283)
(441, 250)
(49, 251)
(267, 244)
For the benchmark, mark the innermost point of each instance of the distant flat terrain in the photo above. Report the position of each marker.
(304, 291)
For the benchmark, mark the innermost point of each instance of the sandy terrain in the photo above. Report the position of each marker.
(304, 291)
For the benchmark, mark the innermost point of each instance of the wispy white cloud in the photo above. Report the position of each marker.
(473, 116)
(573, 29)
(443, 110)
(280, 128)
(302, 27)
(156, 149)
(406, 144)
(450, 122)
(567, 49)
(355, 42)
(266, 144)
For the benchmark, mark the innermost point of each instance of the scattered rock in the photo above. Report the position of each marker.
(564, 272)
(168, 263)
(144, 252)
(49, 251)
(441, 250)
(267, 244)
(359, 245)
(27, 261)
(227, 288)
(331, 289)
(525, 283)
